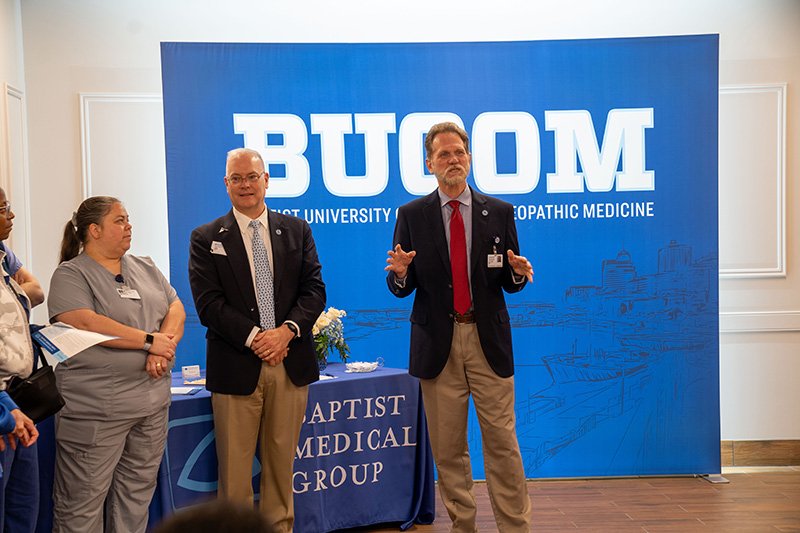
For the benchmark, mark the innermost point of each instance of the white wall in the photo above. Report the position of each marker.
(13, 137)
(85, 46)
(11, 68)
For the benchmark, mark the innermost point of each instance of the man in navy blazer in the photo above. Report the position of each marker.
(260, 354)
(457, 250)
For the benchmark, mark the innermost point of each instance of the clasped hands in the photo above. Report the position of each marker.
(161, 353)
(272, 345)
(399, 260)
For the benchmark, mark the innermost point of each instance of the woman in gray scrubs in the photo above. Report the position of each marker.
(111, 433)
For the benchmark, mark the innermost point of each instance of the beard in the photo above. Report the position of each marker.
(451, 179)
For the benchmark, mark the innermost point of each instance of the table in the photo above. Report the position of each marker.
(363, 457)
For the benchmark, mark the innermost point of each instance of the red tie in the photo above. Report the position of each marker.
(458, 260)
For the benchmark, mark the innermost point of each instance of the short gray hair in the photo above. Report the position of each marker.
(236, 152)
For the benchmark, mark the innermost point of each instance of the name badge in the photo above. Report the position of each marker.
(128, 293)
(494, 261)
(217, 248)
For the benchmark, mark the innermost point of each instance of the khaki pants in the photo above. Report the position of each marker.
(273, 417)
(446, 400)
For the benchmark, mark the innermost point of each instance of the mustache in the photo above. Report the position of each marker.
(458, 167)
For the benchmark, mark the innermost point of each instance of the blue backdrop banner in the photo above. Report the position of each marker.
(606, 148)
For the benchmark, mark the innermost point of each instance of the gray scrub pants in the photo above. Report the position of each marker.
(106, 461)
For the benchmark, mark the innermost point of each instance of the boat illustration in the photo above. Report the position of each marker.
(597, 366)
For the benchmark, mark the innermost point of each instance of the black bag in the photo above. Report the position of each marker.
(37, 395)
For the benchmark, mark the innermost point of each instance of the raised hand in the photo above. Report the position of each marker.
(520, 265)
(399, 260)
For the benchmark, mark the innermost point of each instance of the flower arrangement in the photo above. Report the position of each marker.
(328, 334)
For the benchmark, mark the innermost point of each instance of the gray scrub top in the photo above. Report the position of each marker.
(101, 383)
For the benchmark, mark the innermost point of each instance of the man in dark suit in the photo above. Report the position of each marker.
(257, 287)
(458, 250)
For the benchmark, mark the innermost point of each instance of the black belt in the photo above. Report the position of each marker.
(466, 318)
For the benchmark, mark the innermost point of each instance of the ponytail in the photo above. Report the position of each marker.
(70, 244)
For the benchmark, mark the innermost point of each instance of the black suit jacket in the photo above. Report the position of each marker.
(222, 287)
(420, 228)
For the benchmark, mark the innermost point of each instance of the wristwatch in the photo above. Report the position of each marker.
(148, 342)
(292, 328)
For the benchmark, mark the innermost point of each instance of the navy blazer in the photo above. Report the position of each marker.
(420, 228)
(225, 299)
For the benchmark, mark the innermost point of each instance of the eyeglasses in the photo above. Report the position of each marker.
(5, 210)
(250, 178)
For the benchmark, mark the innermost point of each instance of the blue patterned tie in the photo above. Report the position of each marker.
(265, 295)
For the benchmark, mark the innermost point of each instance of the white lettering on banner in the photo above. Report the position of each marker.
(341, 215)
(546, 212)
(358, 441)
(352, 441)
(375, 127)
(618, 210)
(357, 474)
(575, 211)
(255, 129)
(370, 407)
(529, 212)
(484, 150)
(574, 134)
(624, 136)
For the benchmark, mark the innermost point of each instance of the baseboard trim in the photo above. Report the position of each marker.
(760, 452)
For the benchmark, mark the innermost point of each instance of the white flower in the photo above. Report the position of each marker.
(328, 333)
(332, 313)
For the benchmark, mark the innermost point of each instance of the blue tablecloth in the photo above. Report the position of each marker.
(363, 457)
